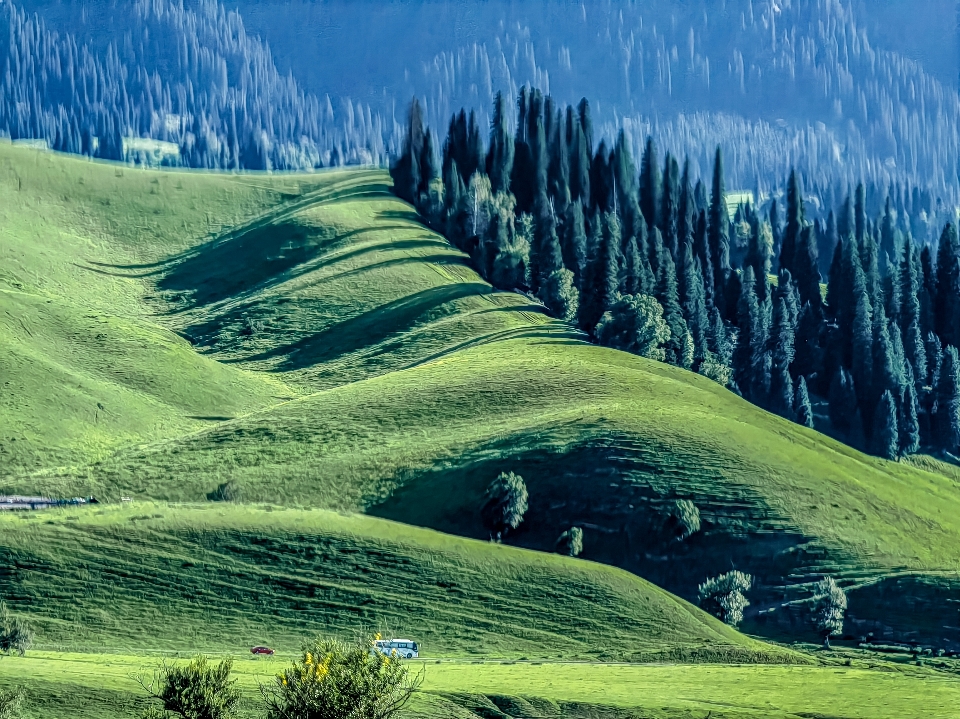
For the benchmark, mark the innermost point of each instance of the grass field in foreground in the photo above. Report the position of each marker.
(103, 687)
(308, 338)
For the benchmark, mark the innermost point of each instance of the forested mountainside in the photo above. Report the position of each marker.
(86, 76)
(779, 83)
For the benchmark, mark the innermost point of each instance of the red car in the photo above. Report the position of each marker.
(261, 650)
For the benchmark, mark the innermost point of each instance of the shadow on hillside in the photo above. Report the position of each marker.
(621, 493)
(374, 326)
(255, 253)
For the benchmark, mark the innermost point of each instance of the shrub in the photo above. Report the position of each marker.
(635, 324)
(196, 690)
(571, 542)
(830, 603)
(725, 596)
(11, 704)
(560, 295)
(15, 635)
(506, 503)
(686, 517)
(335, 679)
(226, 492)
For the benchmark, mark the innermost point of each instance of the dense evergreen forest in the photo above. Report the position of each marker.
(649, 260)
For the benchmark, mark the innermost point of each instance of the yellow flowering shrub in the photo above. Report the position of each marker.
(340, 680)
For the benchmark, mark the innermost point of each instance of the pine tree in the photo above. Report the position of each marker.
(669, 212)
(802, 409)
(500, 155)
(549, 256)
(776, 228)
(835, 289)
(454, 211)
(406, 170)
(862, 354)
(669, 299)
(748, 337)
(701, 251)
(860, 217)
(782, 353)
(759, 256)
(624, 176)
(909, 315)
(651, 187)
(694, 303)
(885, 437)
(586, 124)
(631, 274)
(827, 249)
(928, 293)
(947, 302)
(579, 165)
(908, 420)
(574, 244)
(686, 212)
(805, 268)
(719, 232)
(559, 174)
(541, 161)
(888, 240)
(948, 401)
(601, 180)
(602, 285)
(795, 222)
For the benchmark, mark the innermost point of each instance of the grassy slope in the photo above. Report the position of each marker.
(409, 384)
(234, 576)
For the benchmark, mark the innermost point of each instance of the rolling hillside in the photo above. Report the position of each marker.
(307, 339)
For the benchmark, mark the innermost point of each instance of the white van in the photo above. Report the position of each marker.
(406, 648)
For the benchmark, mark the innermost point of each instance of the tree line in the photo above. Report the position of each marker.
(647, 259)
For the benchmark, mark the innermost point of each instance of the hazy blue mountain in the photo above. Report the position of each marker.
(838, 88)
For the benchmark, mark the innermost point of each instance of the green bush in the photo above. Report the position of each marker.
(10, 704)
(15, 635)
(226, 492)
(725, 596)
(339, 680)
(571, 542)
(635, 324)
(506, 503)
(686, 518)
(196, 690)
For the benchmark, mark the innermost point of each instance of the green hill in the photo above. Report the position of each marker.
(337, 354)
(223, 577)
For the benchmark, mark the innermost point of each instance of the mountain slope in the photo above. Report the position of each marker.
(409, 384)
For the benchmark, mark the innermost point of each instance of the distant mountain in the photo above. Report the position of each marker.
(778, 83)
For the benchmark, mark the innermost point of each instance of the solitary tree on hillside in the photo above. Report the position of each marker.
(571, 542)
(686, 518)
(725, 596)
(506, 503)
(830, 603)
